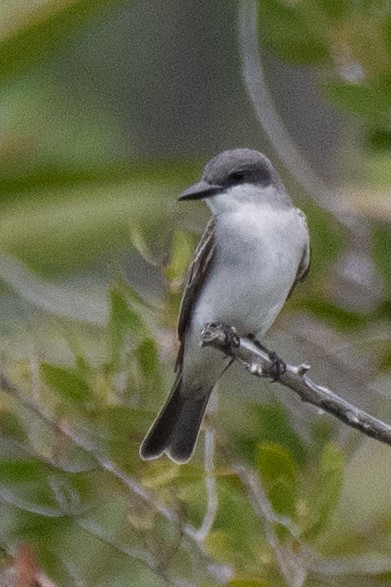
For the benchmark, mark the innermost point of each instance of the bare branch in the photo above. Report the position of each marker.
(259, 363)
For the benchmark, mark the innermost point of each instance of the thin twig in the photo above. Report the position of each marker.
(259, 363)
(288, 563)
(210, 478)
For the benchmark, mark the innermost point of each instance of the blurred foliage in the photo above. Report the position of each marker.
(351, 41)
(73, 486)
(280, 499)
(31, 31)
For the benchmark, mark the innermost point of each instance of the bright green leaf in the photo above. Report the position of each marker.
(219, 544)
(82, 367)
(236, 528)
(66, 382)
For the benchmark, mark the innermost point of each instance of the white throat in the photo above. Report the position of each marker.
(248, 196)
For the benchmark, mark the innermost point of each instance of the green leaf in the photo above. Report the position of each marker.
(295, 31)
(148, 363)
(137, 238)
(82, 366)
(326, 491)
(45, 32)
(269, 423)
(236, 536)
(66, 382)
(278, 471)
(147, 357)
(181, 254)
(387, 33)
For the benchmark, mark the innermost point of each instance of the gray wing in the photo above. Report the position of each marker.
(196, 278)
(305, 263)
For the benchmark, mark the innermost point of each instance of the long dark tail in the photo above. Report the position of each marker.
(176, 428)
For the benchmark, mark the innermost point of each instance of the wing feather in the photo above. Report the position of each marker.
(198, 271)
(305, 262)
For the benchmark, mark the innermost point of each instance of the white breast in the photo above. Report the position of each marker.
(258, 252)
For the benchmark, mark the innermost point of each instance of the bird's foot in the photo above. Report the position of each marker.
(231, 339)
(278, 366)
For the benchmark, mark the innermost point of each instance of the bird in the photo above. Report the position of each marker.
(254, 250)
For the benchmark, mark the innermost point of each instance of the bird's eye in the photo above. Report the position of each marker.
(236, 176)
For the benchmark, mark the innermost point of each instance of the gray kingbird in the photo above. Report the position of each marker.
(253, 252)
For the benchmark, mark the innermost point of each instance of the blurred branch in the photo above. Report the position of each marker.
(268, 116)
(210, 479)
(51, 298)
(259, 363)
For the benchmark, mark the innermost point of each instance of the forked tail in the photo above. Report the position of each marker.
(176, 428)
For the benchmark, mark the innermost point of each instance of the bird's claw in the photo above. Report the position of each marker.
(278, 367)
(231, 337)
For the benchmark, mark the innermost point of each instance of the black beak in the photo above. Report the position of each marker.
(199, 191)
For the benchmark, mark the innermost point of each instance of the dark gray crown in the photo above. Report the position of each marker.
(240, 166)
